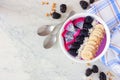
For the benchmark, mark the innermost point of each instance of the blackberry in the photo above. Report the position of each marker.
(84, 4)
(102, 76)
(63, 8)
(75, 27)
(92, 1)
(80, 38)
(88, 72)
(94, 69)
(84, 32)
(75, 47)
(87, 26)
(73, 52)
(88, 19)
(80, 42)
(56, 15)
(76, 44)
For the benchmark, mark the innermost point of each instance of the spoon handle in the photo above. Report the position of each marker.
(58, 26)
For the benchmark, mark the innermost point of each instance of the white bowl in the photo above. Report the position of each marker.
(61, 41)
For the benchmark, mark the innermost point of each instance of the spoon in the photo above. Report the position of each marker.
(51, 39)
(47, 29)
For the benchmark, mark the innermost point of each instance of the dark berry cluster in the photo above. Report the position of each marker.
(76, 45)
(84, 4)
(73, 51)
(56, 15)
(89, 71)
(78, 42)
(88, 22)
(81, 37)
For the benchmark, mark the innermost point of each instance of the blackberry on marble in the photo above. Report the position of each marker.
(102, 76)
(84, 4)
(88, 72)
(92, 1)
(94, 69)
(56, 15)
(63, 8)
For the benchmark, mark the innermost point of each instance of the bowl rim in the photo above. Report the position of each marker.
(83, 15)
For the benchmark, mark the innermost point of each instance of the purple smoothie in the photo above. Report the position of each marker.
(102, 46)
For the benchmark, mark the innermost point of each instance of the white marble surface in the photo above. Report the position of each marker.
(22, 56)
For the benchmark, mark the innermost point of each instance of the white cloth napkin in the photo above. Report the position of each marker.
(109, 11)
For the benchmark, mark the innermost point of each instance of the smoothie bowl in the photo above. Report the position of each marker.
(84, 38)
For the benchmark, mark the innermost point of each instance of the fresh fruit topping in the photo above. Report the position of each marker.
(63, 8)
(56, 15)
(73, 52)
(76, 27)
(92, 1)
(84, 4)
(75, 47)
(80, 38)
(84, 32)
(88, 72)
(76, 44)
(88, 19)
(102, 76)
(79, 42)
(87, 26)
(94, 69)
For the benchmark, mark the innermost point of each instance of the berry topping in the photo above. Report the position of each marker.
(56, 15)
(94, 69)
(80, 42)
(73, 52)
(76, 44)
(84, 32)
(63, 8)
(88, 72)
(92, 1)
(84, 4)
(75, 47)
(76, 27)
(102, 76)
(80, 38)
(87, 26)
(88, 19)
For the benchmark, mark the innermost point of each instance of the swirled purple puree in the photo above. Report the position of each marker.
(102, 46)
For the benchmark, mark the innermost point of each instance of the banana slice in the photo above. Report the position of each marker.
(97, 34)
(87, 55)
(93, 38)
(100, 26)
(93, 43)
(100, 30)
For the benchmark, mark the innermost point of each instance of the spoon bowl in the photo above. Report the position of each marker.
(49, 41)
(45, 30)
